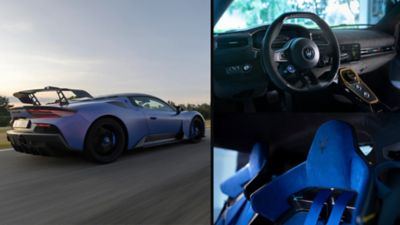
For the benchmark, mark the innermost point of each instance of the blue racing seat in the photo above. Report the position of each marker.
(333, 170)
(240, 211)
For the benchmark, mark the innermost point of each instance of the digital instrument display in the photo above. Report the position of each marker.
(350, 52)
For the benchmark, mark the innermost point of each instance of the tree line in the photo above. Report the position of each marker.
(4, 114)
(204, 108)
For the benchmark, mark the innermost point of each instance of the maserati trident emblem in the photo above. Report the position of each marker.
(308, 53)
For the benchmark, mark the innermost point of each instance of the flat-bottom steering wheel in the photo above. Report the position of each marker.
(291, 67)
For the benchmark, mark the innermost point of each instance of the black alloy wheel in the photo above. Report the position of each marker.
(197, 129)
(105, 141)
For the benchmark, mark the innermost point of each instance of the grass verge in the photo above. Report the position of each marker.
(3, 138)
(208, 124)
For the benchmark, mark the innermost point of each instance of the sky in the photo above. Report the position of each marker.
(155, 47)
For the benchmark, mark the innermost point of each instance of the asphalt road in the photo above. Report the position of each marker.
(162, 185)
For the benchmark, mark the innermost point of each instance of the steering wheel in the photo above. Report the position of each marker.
(291, 67)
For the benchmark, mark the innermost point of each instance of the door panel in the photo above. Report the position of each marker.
(161, 118)
(162, 122)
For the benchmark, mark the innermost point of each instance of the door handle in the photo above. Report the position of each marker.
(153, 118)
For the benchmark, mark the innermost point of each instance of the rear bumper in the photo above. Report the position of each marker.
(38, 143)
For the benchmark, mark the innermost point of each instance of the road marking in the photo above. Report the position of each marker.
(6, 149)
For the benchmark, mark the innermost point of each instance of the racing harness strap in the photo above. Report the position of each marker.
(233, 213)
(337, 211)
(316, 207)
(239, 213)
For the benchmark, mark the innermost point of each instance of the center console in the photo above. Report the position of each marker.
(353, 83)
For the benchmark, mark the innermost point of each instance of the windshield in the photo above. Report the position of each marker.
(242, 14)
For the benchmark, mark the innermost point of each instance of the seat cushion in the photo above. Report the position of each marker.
(298, 219)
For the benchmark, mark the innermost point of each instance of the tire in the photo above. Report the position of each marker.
(196, 131)
(105, 141)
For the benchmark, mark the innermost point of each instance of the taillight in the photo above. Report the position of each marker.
(43, 125)
(50, 113)
(45, 128)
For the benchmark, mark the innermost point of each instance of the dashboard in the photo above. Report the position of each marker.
(237, 71)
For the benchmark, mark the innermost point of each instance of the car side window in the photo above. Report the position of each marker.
(151, 103)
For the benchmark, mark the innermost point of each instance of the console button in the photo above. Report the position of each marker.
(290, 68)
(366, 94)
(247, 67)
(238, 69)
(233, 70)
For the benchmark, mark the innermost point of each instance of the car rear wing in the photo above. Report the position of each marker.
(28, 96)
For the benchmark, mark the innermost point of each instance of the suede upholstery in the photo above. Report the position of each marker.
(332, 162)
(241, 212)
(234, 185)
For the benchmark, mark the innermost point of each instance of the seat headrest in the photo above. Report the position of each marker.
(257, 159)
(234, 185)
(331, 154)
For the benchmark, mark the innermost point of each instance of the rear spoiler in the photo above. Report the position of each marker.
(28, 96)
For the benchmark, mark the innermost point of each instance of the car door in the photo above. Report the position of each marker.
(162, 119)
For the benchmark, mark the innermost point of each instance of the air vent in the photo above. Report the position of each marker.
(235, 42)
(372, 51)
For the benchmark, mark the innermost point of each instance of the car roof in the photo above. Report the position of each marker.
(125, 95)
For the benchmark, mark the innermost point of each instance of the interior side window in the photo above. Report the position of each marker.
(150, 103)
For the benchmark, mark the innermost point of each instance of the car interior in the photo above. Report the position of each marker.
(150, 103)
(308, 95)
(311, 170)
(289, 65)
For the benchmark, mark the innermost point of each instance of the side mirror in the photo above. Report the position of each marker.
(178, 110)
